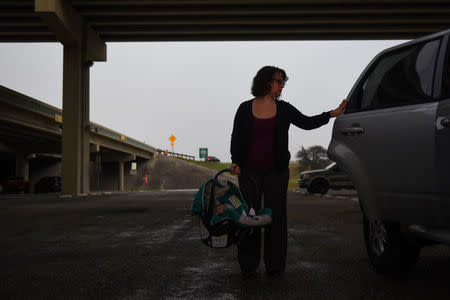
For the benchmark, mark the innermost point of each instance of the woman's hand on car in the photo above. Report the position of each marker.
(338, 111)
(235, 169)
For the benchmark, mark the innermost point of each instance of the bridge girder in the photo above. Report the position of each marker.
(226, 20)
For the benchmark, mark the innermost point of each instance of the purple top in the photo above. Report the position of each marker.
(262, 153)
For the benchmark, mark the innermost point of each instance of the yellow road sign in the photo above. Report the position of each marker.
(172, 138)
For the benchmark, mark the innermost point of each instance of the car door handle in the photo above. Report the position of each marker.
(352, 130)
(445, 122)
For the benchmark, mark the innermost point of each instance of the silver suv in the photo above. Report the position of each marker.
(394, 142)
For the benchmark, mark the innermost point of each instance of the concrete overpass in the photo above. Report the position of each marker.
(84, 27)
(220, 20)
(29, 127)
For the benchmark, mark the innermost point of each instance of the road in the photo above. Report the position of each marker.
(146, 246)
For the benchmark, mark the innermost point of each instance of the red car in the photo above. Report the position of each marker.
(212, 159)
(15, 185)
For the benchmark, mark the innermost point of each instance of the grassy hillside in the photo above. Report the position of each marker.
(294, 175)
(211, 165)
(293, 170)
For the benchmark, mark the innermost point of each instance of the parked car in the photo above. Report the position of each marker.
(212, 159)
(319, 181)
(48, 184)
(14, 184)
(394, 142)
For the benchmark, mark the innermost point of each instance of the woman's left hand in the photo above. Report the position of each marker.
(338, 111)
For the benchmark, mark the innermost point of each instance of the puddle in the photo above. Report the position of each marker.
(303, 231)
(148, 238)
(309, 266)
(196, 279)
(137, 210)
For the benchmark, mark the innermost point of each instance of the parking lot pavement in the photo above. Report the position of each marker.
(146, 246)
(338, 194)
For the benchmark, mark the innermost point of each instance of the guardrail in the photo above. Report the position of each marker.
(19, 100)
(118, 136)
(166, 152)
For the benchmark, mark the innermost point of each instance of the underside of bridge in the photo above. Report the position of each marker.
(84, 27)
(235, 20)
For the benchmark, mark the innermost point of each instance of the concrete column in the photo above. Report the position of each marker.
(75, 140)
(98, 170)
(82, 45)
(22, 167)
(121, 176)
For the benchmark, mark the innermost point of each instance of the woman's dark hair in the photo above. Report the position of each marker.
(261, 82)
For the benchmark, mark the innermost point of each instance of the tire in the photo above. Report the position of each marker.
(389, 252)
(319, 186)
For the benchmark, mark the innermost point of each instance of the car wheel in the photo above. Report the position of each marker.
(319, 186)
(388, 250)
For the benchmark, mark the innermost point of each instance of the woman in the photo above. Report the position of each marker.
(259, 153)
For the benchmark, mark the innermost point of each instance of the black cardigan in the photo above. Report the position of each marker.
(286, 114)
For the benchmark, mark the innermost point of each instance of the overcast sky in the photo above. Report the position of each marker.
(149, 91)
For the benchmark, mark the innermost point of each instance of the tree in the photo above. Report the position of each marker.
(315, 157)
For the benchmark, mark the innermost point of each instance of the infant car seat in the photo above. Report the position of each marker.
(224, 217)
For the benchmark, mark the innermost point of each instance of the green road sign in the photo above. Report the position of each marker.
(203, 152)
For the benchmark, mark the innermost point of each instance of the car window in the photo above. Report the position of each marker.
(399, 78)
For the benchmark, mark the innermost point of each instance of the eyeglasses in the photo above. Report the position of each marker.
(280, 81)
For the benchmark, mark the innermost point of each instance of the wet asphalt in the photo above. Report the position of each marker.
(146, 246)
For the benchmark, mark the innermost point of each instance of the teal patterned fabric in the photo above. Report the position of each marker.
(235, 208)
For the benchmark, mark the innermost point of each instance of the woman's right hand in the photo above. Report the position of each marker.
(235, 169)
(338, 111)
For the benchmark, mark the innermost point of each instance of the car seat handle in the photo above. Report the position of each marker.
(211, 203)
(213, 189)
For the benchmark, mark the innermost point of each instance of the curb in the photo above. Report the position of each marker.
(355, 199)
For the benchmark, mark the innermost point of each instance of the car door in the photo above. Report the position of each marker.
(339, 178)
(389, 128)
(442, 181)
